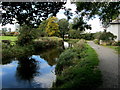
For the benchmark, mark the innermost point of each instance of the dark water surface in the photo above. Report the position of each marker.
(36, 71)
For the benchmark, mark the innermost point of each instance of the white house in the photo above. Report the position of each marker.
(115, 28)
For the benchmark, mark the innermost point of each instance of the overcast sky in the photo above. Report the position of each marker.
(95, 23)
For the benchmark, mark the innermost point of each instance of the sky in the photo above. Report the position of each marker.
(95, 23)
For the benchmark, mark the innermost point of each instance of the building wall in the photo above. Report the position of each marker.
(115, 29)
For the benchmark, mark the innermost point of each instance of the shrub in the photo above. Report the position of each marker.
(96, 41)
(80, 44)
(116, 43)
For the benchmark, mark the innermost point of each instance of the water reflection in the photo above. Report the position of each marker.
(51, 55)
(27, 69)
(36, 71)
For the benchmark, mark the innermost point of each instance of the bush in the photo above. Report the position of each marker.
(96, 41)
(116, 43)
(47, 42)
(9, 51)
(80, 44)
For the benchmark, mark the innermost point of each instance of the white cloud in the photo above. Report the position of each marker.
(61, 15)
(96, 25)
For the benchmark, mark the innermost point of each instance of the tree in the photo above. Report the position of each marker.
(107, 11)
(42, 27)
(27, 34)
(4, 31)
(52, 27)
(80, 24)
(107, 36)
(97, 35)
(29, 13)
(68, 13)
(74, 34)
(63, 27)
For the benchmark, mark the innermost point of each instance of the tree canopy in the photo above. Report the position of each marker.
(63, 27)
(52, 27)
(29, 13)
(80, 24)
(107, 11)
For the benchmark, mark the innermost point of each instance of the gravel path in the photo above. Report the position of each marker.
(108, 65)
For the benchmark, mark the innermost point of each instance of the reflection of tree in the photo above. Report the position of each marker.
(51, 55)
(6, 60)
(27, 69)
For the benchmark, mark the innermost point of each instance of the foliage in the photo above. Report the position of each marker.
(16, 51)
(42, 28)
(4, 31)
(74, 34)
(77, 68)
(47, 42)
(107, 36)
(97, 35)
(9, 51)
(29, 13)
(88, 36)
(27, 35)
(116, 43)
(52, 27)
(68, 13)
(63, 27)
(72, 41)
(96, 41)
(80, 44)
(107, 11)
(80, 24)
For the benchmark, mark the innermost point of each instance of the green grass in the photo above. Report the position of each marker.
(12, 38)
(116, 48)
(92, 55)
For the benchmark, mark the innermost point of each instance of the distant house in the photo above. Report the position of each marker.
(115, 28)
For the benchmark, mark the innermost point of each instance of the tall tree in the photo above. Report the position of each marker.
(52, 27)
(63, 27)
(107, 11)
(29, 13)
(42, 27)
(80, 24)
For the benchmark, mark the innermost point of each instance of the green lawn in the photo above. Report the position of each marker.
(12, 38)
(117, 48)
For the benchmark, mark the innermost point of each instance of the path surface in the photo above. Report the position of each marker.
(108, 65)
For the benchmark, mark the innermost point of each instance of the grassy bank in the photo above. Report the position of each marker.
(77, 68)
(11, 38)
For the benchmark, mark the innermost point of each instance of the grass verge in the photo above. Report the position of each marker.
(116, 48)
(78, 68)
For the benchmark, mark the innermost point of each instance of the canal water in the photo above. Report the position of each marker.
(36, 71)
